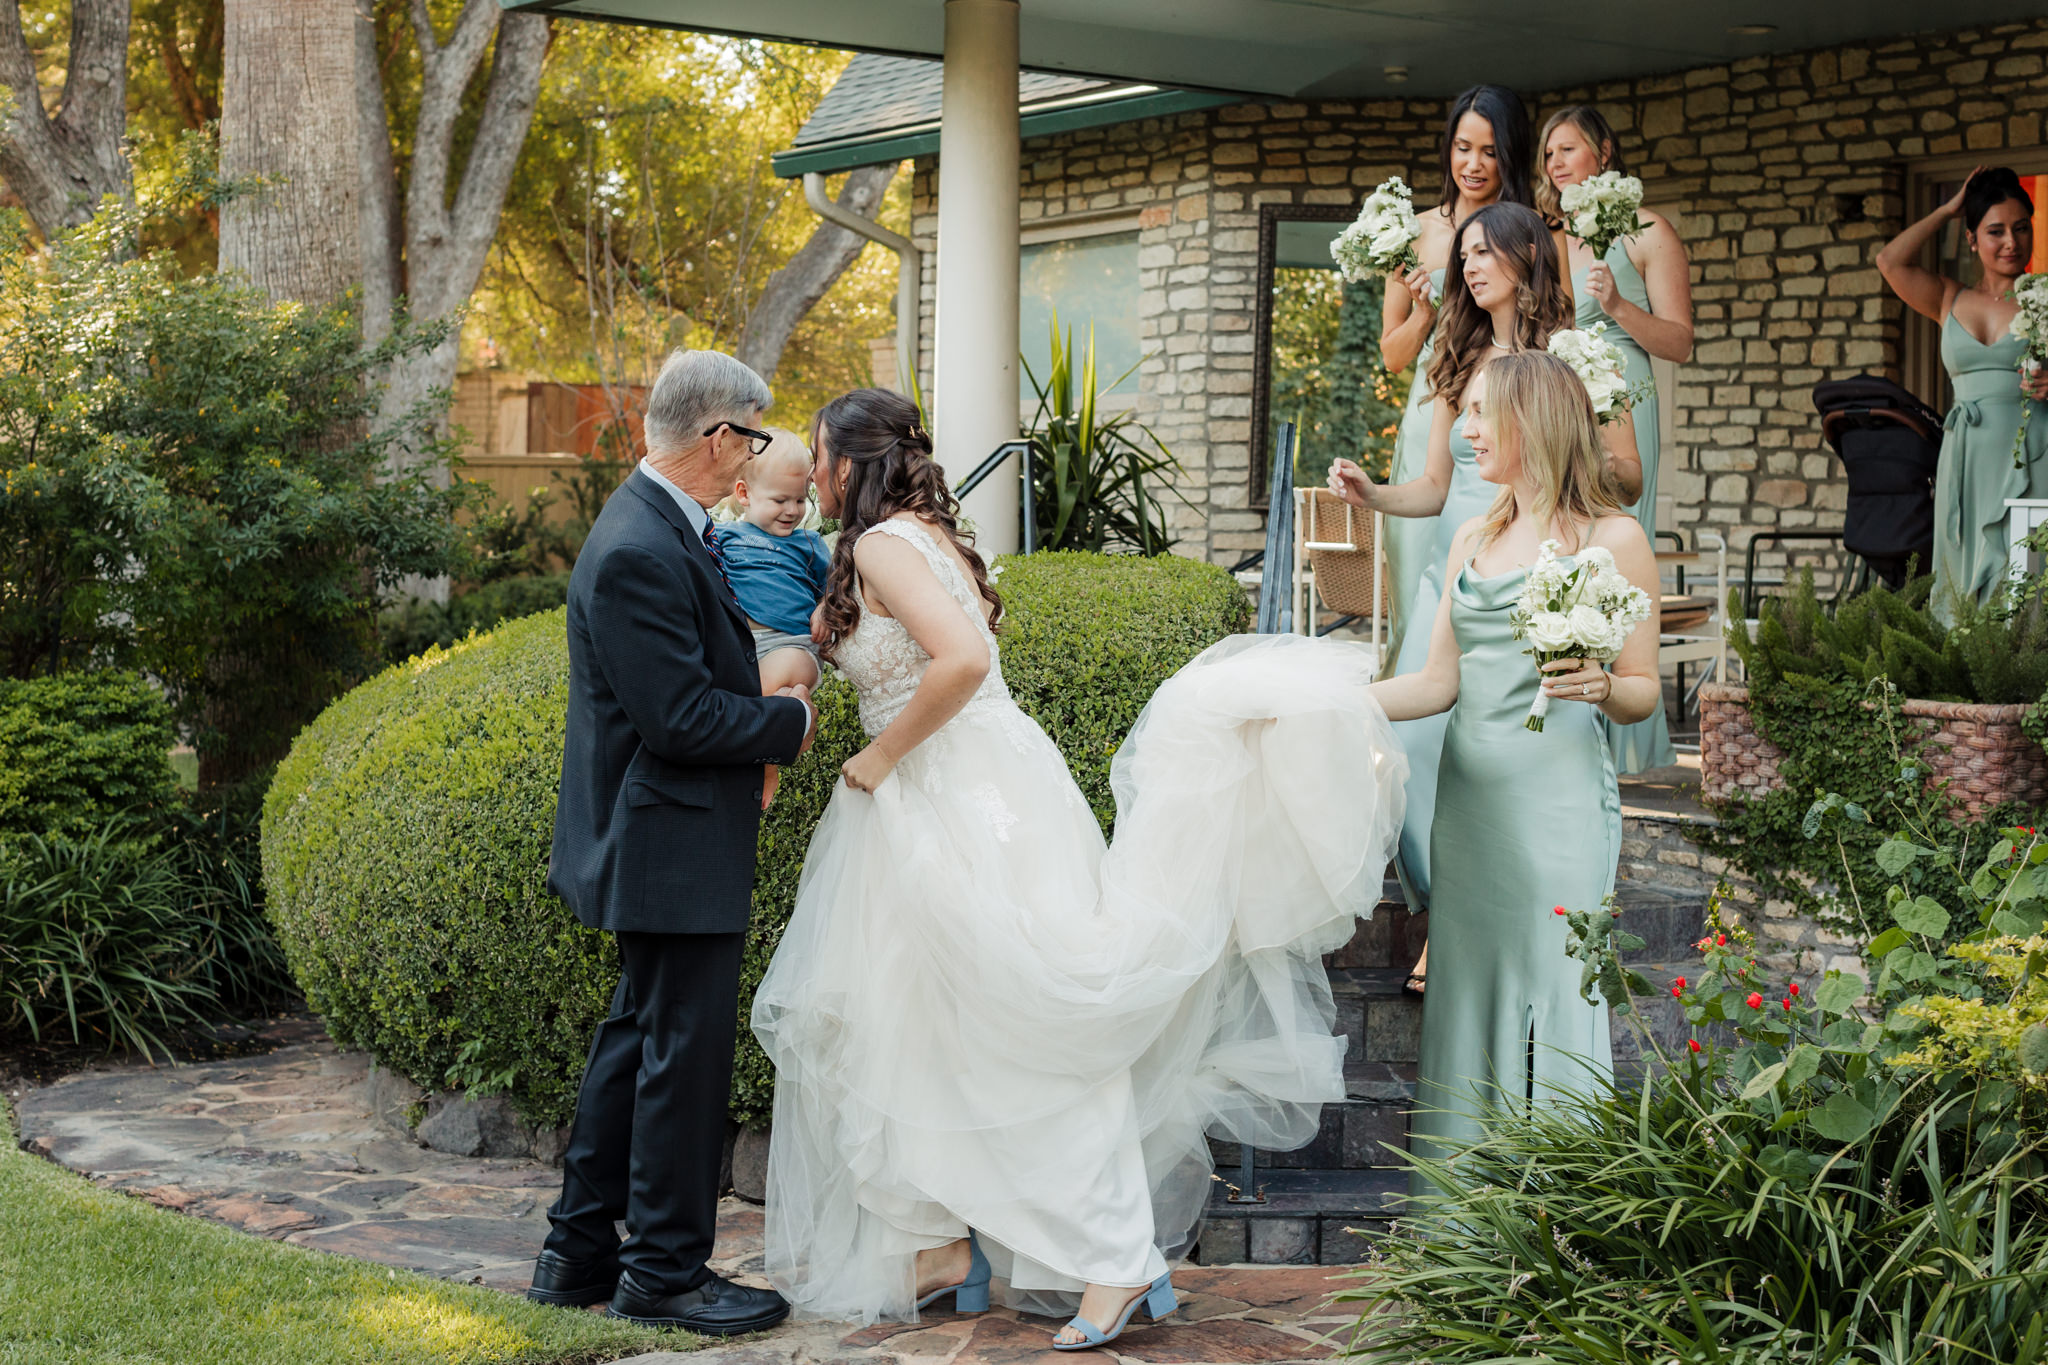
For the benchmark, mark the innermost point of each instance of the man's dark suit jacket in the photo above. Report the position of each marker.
(661, 778)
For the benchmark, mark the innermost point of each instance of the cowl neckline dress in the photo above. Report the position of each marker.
(1525, 822)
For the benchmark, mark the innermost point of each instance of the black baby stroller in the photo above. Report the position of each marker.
(1889, 442)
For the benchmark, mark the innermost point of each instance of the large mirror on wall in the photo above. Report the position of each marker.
(1316, 352)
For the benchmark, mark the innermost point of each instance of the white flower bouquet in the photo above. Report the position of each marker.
(1599, 365)
(1575, 610)
(1601, 210)
(1382, 240)
(2029, 325)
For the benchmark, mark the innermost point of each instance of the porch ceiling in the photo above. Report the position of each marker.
(1332, 48)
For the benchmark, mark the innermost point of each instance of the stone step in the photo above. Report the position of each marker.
(1303, 1217)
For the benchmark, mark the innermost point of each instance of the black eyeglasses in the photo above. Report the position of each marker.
(757, 441)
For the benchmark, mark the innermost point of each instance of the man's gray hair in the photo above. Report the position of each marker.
(698, 389)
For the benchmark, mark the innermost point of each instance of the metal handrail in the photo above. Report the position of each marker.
(1029, 497)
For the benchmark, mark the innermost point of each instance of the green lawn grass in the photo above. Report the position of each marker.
(87, 1275)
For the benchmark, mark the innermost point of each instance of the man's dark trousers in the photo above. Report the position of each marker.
(670, 1037)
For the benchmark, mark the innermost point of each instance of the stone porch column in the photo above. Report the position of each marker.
(974, 341)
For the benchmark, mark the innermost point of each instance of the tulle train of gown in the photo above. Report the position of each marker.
(980, 1017)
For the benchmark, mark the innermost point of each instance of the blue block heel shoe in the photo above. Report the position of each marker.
(971, 1294)
(1157, 1301)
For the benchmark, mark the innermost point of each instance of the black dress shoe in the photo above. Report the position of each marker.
(573, 1284)
(715, 1308)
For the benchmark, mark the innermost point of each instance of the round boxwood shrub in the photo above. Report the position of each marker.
(405, 839)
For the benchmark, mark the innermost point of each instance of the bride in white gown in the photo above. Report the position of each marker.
(983, 1019)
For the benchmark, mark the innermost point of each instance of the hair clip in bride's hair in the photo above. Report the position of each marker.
(918, 433)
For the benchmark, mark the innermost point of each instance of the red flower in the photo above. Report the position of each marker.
(1756, 1002)
(1693, 1043)
(1680, 983)
(1559, 911)
(1720, 940)
(1786, 1002)
(1794, 988)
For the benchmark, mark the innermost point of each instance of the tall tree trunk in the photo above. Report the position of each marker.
(288, 119)
(449, 221)
(288, 115)
(796, 288)
(61, 167)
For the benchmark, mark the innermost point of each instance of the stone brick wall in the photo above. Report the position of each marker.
(1783, 173)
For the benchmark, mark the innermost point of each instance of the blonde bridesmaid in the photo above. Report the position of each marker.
(1642, 291)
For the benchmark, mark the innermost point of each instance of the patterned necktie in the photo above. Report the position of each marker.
(710, 540)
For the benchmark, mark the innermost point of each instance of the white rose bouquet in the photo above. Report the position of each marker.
(1581, 610)
(2029, 325)
(1601, 210)
(1599, 365)
(1382, 240)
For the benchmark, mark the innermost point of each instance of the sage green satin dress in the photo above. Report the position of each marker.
(1524, 822)
(1469, 496)
(1976, 473)
(1646, 744)
(1408, 538)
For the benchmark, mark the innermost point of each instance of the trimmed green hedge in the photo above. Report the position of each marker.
(77, 748)
(405, 839)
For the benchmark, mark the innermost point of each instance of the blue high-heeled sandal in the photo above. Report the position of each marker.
(1157, 1301)
(971, 1294)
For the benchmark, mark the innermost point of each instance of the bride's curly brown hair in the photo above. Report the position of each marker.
(877, 436)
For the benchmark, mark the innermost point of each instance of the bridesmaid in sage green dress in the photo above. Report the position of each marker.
(1505, 255)
(1977, 472)
(1484, 158)
(1642, 292)
(1524, 821)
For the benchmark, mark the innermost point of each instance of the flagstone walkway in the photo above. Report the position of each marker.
(286, 1145)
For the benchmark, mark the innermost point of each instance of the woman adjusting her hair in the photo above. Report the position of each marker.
(1978, 469)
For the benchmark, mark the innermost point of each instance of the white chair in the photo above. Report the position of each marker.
(1338, 558)
(2023, 516)
(1696, 631)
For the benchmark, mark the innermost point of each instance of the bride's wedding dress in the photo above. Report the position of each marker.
(982, 1017)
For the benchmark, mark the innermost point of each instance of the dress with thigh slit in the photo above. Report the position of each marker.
(1525, 822)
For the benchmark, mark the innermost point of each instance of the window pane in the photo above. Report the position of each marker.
(1086, 280)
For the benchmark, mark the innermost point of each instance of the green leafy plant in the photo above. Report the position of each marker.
(417, 624)
(405, 840)
(1826, 689)
(1097, 478)
(1826, 1173)
(78, 748)
(123, 939)
(190, 484)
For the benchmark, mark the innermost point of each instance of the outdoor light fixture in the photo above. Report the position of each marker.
(1395, 74)
(1752, 30)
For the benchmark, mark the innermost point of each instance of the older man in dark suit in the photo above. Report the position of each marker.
(654, 841)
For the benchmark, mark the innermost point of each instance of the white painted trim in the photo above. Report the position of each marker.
(1075, 226)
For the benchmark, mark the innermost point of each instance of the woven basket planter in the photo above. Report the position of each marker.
(1980, 752)
(1976, 748)
(1734, 759)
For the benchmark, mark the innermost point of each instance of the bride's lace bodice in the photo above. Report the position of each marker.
(885, 664)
